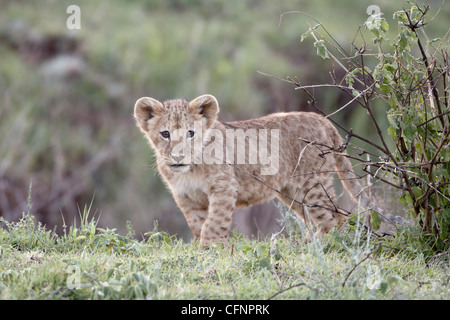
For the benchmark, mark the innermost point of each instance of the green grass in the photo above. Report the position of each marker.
(89, 262)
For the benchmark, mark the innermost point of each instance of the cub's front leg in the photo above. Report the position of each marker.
(210, 220)
(194, 213)
(220, 214)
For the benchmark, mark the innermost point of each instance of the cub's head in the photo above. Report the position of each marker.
(176, 129)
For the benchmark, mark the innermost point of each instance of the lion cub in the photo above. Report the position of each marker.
(214, 167)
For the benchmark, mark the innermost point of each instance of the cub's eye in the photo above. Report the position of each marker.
(165, 134)
(190, 134)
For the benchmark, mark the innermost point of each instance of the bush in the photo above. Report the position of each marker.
(409, 74)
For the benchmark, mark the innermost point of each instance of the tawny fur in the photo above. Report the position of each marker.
(209, 193)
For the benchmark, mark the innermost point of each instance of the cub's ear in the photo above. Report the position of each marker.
(145, 109)
(207, 106)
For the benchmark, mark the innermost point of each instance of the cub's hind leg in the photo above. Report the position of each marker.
(314, 204)
(321, 207)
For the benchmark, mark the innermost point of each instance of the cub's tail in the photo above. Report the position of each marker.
(351, 182)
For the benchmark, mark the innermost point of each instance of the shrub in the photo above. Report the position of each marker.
(409, 74)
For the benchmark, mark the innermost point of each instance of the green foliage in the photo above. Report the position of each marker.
(420, 125)
(92, 263)
(321, 50)
(411, 79)
(156, 236)
(27, 234)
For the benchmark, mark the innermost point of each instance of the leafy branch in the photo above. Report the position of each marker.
(407, 76)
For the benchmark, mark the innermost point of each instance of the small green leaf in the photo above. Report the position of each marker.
(383, 287)
(409, 130)
(403, 41)
(417, 192)
(110, 273)
(440, 245)
(321, 49)
(393, 279)
(384, 26)
(375, 220)
(350, 79)
(435, 40)
(400, 16)
(80, 239)
(376, 33)
(139, 293)
(136, 276)
(265, 263)
(305, 35)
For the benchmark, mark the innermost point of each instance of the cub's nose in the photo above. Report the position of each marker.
(178, 159)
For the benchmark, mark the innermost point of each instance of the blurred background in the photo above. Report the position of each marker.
(67, 136)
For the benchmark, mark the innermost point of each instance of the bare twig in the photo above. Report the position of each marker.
(348, 103)
(356, 265)
(289, 288)
(413, 27)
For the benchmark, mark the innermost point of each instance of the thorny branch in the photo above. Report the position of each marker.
(418, 160)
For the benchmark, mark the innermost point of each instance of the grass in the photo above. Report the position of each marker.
(89, 262)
